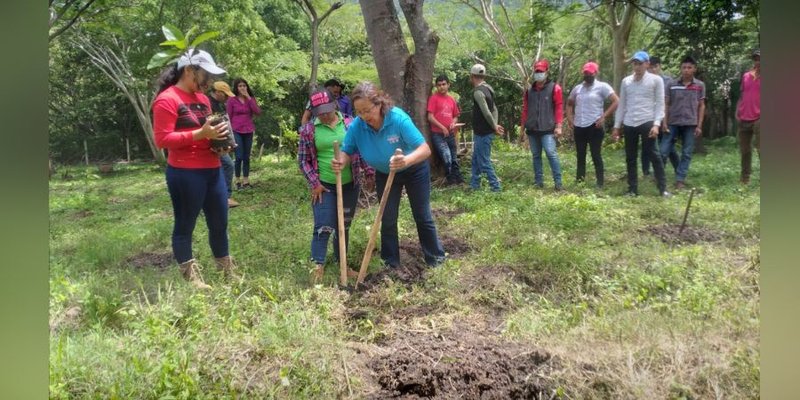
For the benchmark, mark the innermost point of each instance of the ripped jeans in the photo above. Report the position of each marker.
(326, 223)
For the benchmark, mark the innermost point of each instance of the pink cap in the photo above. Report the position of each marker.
(541, 66)
(591, 67)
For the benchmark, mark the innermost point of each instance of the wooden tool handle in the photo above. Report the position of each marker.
(340, 218)
(373, 233)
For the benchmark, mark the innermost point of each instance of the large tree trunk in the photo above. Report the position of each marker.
(620, 32)
(406, 77)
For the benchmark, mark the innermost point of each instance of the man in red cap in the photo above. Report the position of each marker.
(542, 115)
(586, 115)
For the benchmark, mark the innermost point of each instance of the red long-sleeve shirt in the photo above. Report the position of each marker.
(175, 115)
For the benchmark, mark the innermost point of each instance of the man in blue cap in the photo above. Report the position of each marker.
(639, 115)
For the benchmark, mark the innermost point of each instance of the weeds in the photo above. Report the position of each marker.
(585, 275)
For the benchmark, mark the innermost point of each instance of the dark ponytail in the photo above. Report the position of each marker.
(169, 77)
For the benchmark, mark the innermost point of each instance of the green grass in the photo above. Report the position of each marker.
(626, 314)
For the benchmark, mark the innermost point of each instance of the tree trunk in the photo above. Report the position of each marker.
(312, 81)
(406, 77)
(620, 33)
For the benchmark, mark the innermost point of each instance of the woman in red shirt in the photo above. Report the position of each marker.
(193, 173)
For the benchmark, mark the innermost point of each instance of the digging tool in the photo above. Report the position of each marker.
(686, 213)
(340, 217)
(373, 233)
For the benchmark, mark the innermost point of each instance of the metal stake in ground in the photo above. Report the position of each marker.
(340, 218)
(686, 213)
(373, 233)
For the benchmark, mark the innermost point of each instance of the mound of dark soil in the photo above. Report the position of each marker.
(160, 261)
(671, 234)
(464, 365)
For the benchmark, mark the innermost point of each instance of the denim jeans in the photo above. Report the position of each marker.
(686, 134)
(326, 220)
(417, 181)
(649, 148)
(192, 190)
(546, 141)
(482, 162)
(244, 143)
(593, 137)
(673, 156)
(227, 170)
(446, 147)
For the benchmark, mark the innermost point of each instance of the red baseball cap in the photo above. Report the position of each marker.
(541, 66)
(590, 67)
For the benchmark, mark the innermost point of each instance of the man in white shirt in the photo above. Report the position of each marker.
(639, 115)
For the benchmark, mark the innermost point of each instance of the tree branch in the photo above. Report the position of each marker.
(71, 22)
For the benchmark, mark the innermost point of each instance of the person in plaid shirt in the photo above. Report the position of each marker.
(314, 155)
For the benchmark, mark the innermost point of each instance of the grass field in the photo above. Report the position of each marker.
(584, 294)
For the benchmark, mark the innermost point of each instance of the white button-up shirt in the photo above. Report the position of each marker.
(640, 101)
(589, 101)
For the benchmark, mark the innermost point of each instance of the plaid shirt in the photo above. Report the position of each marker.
(307, 157)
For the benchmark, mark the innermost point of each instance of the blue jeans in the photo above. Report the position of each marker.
(446, 147)
(244, 142)
(686, 134)
(546, 141)
(326, 220)
(673, 156)
(227, 170)
(649, 149)
(417, 181)
(192, 190)
(482, 162)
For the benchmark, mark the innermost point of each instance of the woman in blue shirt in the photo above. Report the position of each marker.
(379, 129)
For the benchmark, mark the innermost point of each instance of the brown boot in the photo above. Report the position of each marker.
(191, 272)
(227, 266)
(317, 273)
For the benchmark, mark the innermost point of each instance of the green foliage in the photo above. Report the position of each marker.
(178, 44)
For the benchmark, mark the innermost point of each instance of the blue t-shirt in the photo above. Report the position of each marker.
(398, 131)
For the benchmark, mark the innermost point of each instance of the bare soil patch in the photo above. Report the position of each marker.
(160, 261)
(444, 214)
(671, 234)
(459, 364)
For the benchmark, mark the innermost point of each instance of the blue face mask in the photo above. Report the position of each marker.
(539, 76)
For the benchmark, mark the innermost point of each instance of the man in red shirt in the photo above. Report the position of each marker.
(748, 113)
(443, 115)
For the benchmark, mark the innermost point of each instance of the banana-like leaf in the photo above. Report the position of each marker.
(203, 37)
(172, 33)
(160, 59)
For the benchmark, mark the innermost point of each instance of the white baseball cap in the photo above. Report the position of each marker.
(201, 59)
(478, 69)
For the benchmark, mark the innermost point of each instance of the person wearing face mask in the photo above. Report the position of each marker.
(194, 177)
(542, 115)
(585, 114)
(748, 114)
(640, 112)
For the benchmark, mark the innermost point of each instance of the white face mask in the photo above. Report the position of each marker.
(539, 76)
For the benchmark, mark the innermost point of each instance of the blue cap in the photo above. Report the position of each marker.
(640, 56)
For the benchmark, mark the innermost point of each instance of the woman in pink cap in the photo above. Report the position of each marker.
(586, 115)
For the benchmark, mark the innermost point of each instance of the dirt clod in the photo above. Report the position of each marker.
(690, 235)
(459, 365)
